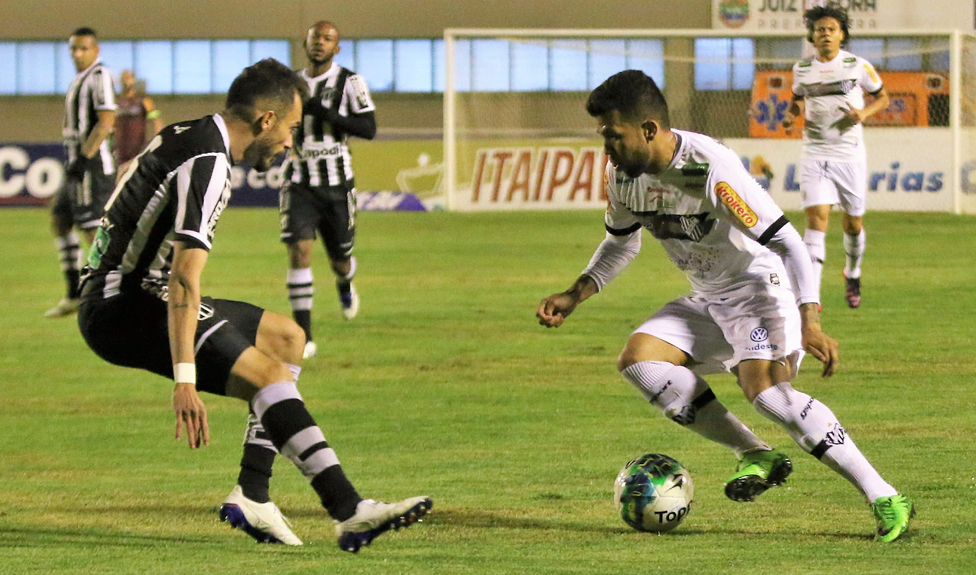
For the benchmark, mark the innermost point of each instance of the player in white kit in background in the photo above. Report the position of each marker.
(829, 90)
(748, 270)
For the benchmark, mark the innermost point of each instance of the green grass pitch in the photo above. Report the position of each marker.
(446, 385)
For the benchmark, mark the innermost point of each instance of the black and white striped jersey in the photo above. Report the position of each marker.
(90, 91)
(175, 190)
(322, 156)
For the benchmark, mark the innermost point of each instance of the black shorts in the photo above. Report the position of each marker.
(130, 330)
(330, 211)
(84, 202)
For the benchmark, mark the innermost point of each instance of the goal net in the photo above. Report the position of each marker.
(517, 135)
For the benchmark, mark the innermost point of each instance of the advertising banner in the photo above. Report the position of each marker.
(908, 168)
(763, 15)
(31, 174)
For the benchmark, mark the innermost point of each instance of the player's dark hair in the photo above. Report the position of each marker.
(268, 80)
(632, 93)
(813, 15)
(85, 31)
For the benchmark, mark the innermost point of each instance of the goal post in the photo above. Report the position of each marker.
(517, 136)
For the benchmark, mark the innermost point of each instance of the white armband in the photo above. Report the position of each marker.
(185, 373)
(612, 256)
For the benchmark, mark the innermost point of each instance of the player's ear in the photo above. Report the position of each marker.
(264, 121)
(650, 129)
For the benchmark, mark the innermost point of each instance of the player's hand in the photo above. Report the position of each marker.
(853, 115)
(191, 414)
(554, 309)
(823, 347)
(76, 169)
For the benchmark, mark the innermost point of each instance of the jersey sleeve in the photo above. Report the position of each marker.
(357, 94)
(797, 87)
(103, 91)
(201, 185)
(619, 221)
(869, 80)
(740, 200)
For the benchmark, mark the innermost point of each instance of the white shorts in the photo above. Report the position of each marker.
(829, 182)
(718, 333)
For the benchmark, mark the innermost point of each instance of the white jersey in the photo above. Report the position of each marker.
(829, 88)
(711, 216)
(324, 158)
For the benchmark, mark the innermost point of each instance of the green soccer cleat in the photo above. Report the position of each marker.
(757, 472)
(893, 514)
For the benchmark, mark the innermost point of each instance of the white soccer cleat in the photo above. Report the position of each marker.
(262, 521)
(65, 307)
(373, 518)
(350, 302)
(311, 350)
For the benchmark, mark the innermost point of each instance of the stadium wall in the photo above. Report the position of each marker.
(38, 119)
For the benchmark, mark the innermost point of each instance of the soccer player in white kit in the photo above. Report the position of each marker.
(829, 90)
(748, 270)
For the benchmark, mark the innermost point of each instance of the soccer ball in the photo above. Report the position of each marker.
(653, 493)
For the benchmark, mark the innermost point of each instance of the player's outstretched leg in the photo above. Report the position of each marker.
(296, 436)
(815, 428)
(892, 514)
(758, 471)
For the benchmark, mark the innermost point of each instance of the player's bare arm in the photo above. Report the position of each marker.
(880, 102)
(816, 342)
(102, 130)
(183, 305)
(554, 309)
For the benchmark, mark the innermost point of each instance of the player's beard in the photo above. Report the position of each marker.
(261, 155)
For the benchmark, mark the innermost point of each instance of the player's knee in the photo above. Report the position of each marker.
(291, 340)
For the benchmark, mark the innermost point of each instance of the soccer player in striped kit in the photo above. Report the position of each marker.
(142, 307)
(89, 116)
(319, 195)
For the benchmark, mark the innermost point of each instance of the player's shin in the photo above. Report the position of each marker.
(854, 248)
(815, 428)
(688, 400)
(69, 252)
(296, 436)
(300, 294)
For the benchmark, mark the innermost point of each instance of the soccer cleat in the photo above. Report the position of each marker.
(373, 518)
(757, 472)
(350, 302)
(853, 293)
(893, 514)
(66, 306)
(262, 521)
(311, 350)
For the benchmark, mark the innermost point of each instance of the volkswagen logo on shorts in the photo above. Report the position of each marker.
(759, 334)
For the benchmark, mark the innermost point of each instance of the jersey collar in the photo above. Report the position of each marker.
(222, 126)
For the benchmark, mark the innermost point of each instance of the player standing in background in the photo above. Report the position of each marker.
(89, 116)
(749, 273)
(136, 121)
(319, 194)
(142, 306)
(829, 90)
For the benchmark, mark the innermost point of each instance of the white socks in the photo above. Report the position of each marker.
(815, 428)
(687, 400)
(854, 247)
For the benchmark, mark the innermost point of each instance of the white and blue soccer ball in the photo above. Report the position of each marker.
(653, 493)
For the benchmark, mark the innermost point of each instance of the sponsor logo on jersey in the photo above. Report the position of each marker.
(736, 205)
(759, 334)
(872, 73)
